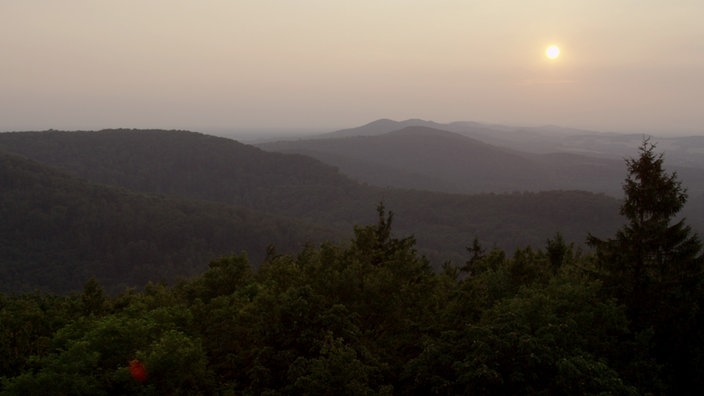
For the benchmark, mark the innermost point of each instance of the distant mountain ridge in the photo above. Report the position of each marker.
(530, 139)
(686, 151)
(461, 162)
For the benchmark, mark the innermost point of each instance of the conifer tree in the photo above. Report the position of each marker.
(650, 252)
(654, 265)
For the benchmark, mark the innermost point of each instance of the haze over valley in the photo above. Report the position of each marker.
(446, 186)
(470, 157)
(295, 188)
(190, 239)
(398, 197)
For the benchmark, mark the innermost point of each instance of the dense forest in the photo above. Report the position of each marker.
(127, 206)
(370, 316)
(57, 231)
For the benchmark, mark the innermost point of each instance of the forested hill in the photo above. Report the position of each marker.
(185, 164)
(364, 316)
(686, 151)
(190, 165)
(427, 158)
(57, 231)
(422, 158)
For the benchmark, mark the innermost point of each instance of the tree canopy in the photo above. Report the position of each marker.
(370, 316)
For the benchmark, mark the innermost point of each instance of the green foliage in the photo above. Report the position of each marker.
(369, 316)
(558, 252)
(336, 370)
(553, 339)
(90, 355)
(364, 317)
(225, 276)
(177, 365)
(93, 299)
(71, 372)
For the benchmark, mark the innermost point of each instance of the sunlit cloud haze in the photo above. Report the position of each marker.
(324, 64)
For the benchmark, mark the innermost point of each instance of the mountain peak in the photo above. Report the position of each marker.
(422, 130)
(380, 127)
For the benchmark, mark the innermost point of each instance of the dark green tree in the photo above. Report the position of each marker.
(93, 299)
(558, 251)
(476, 253)
(654, 266)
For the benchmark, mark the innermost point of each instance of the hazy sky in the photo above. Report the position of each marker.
(625, 65)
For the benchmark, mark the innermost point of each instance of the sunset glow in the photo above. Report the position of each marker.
(552, 52)
(262, 64)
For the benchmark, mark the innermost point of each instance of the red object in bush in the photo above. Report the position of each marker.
(138, 371)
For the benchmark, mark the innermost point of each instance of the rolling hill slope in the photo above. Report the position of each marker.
(185, 164)
(419, 157)
(58, 231)
(684, 151)
(300, 190)
(452, 162)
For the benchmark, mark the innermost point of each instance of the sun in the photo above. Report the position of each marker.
(552, 52)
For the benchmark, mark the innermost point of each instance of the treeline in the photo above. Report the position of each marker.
(367, 317)
(371, 317)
